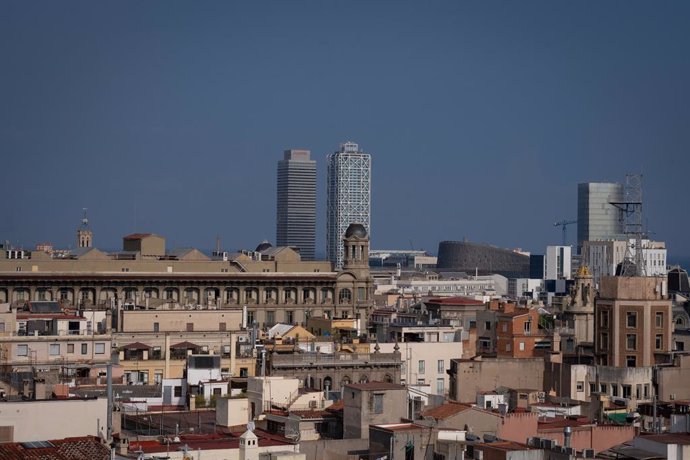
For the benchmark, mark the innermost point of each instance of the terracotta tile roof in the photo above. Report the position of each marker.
(82, 448)
(669, 438)
(374, 386)
(445, 410)
(503, 445)
(454, 301)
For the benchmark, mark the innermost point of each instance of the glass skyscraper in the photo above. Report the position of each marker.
(597, 219)
(296, 203)
(349, 197)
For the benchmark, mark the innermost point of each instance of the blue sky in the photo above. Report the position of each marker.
(481, 117)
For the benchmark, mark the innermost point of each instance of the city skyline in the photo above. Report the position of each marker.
(170, 123)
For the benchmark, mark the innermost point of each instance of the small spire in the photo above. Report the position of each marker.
(396, 348)
(376, 347)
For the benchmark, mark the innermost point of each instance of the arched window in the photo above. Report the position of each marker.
(363, 379)
(345, 296)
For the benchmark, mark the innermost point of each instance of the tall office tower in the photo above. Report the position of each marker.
(349, 197)
(558, 263)
(296, 203)
(597, 218)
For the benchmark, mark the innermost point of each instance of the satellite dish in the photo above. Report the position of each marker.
(251, 426)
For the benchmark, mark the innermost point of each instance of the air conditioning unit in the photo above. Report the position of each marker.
(588, 453)
(242, 339)
(541, 396)
(312, 404)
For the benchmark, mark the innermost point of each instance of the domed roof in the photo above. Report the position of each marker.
(356, 230)
(263, 246)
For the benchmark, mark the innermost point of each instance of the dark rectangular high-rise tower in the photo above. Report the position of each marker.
(296, 203)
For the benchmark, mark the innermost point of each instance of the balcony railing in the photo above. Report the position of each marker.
(332, 360)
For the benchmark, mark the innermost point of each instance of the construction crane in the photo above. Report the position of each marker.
(564, 224)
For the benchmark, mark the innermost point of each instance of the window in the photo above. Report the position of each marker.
(157, 377)
(604, 341)
(631, 361)
(508, 347)
(631, 319)
(440, 386)
(638, 391)
(289, 316)
(487, 325)
(614, 389)
(84, 348)
(603, 388)
(70, 348)
(250, 318)
(646, 391)
(378, 403)
(440, 366)
(659, 341)
(528, 327)
(580, 386)
(604, 318)
(421, 381)
(2, 327)
(421, 366)
(345, 296)
(222, 327)
(631, 342)
(522, 346)
(178, 392)
(22, 350)
(627, 391)
(54, 349)
(592, 388)
(100, 348)
(270, 318)
(190, 327)
(505, 327)
(156, 327)
(659, 317)
(361, 294)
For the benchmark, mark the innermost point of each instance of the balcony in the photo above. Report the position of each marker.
(334, 360)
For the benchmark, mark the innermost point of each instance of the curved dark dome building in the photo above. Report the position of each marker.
(463, 256)
(263, 246)
(357, 230)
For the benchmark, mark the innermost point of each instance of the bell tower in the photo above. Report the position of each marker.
(84, 233)
(356, 245)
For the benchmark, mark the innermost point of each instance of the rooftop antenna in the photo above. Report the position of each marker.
(217, 243)
(631, 218)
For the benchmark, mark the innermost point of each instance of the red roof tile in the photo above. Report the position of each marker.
(445, 410)
(454, 301)
(81, 448)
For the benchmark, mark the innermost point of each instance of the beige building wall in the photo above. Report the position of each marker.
(40, 420)
(180, 320)
(359, 409)
(425, 361)
(232, 411)
(468, 377)
(44, 350)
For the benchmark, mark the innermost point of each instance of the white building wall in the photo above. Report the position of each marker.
(558, 262)
(44, 420)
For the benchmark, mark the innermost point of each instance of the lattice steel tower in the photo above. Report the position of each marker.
(348, 198)
(631, 217)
